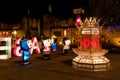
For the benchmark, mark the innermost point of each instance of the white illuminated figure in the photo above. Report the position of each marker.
(46, 48)
(66, 45)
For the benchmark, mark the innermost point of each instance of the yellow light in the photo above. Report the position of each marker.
(60, 43)
(14, 32)
(116, 41)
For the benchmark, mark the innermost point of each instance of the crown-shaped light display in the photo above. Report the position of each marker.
(91, 22)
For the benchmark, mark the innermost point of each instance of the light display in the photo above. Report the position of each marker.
(17, 48)
(86, 42)
(35, 45)
(54, 43)
(78, 21)
(25, 48)
(5, 34)
(46, 48)
(89, 43)
(90, 53)
(6, 47)
(66, 46)
(95, 43)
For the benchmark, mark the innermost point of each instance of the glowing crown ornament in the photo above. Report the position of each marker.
(91, 22)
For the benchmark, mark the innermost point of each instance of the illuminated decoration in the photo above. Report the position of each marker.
(95, 43)
(90, 53)
(66, 46)
(14, 32)
(35, 45)
(86, 31)
(53, 37)
(78, 22)
(17, 49)
(25, 48)
(54, 43)
(46, 48)
(86, 42)
(5, 34)
(5, 47)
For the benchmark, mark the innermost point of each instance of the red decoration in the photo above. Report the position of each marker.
(78, 21)
(86, 42)
(95, 42)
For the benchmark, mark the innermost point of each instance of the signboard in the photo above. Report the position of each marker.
(95, 31)
(86, 31)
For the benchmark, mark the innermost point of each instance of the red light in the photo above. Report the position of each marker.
(95, 43)
(86, 42)
(78, 21)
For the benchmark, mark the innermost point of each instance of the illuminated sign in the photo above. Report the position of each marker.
(95, 31)
(85, 31)
(87, 43)
(17, 49)
(35, 46)
(5, 46)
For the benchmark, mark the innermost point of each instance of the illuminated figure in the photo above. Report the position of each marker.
(46, 48)
(54, 44)
(25, 47)
(66, 45)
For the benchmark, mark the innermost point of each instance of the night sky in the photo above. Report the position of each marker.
(14, 11)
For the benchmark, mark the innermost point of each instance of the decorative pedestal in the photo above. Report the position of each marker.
(91, 60)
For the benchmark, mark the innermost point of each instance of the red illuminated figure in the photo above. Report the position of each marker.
(46, 48)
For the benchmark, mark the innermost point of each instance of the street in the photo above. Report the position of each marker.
(59, 67)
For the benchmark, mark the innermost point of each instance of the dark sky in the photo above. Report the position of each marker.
(14, 11)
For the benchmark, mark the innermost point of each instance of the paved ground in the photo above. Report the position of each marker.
(58, 68)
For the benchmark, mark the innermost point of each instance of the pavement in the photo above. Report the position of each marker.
(59, 67)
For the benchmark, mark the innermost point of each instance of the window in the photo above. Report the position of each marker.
(57, 33)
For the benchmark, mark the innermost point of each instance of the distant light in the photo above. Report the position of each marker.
(14, 32)
(60, 43)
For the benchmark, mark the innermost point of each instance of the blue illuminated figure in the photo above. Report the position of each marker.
(54, 44)
(25, 48)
